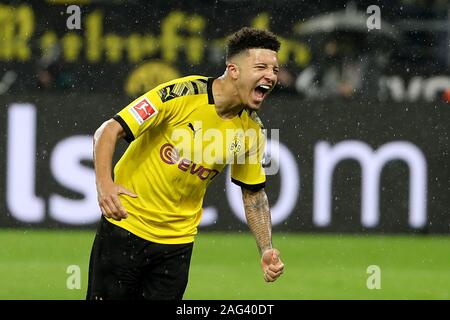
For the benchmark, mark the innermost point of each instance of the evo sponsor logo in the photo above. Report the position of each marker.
(170, 155)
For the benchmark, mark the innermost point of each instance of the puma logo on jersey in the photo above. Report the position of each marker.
(190, 125)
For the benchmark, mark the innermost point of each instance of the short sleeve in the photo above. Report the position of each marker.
(249, 172)
(147, 111)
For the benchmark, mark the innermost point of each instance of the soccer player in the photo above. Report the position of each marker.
(152, 207)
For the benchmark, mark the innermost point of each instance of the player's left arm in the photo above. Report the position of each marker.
(257, 212)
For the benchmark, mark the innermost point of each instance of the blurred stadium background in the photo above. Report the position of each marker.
(361, 181)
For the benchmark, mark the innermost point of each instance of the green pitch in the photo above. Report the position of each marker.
(36, 265)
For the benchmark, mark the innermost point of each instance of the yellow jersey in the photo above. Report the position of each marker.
(178, 145)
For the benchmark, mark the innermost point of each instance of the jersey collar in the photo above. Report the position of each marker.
(209, 89)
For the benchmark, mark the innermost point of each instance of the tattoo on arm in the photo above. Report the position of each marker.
(257, 212)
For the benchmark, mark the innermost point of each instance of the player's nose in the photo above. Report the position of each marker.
(271, 76)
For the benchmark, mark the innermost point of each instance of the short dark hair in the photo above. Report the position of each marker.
(251, 38)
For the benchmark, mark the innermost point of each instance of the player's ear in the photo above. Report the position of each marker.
(233, 70)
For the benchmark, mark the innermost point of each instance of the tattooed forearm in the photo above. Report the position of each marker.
(257, 213)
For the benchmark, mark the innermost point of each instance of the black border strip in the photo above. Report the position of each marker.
(209, 89)
(194, 85)
(129, 137)
(251, 187)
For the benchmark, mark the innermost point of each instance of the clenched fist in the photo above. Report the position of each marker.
(271, 265)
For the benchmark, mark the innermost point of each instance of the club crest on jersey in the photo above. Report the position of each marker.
(143, 110)
(235, 146)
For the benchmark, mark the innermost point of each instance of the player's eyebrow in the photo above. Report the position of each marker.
(264, 64)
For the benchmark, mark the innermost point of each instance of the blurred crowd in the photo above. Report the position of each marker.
(353, 62)
(349, 61)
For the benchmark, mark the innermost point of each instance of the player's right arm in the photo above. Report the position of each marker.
(105, 140)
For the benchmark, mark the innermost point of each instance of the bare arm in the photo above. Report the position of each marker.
(257, 212)
(105, 140)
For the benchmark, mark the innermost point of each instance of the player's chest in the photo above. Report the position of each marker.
(204, 138)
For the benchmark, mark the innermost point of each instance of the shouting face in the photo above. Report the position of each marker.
(255, 74)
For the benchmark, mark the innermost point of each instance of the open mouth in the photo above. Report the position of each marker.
(261, 91)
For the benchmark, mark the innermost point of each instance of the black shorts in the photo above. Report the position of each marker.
(124, 266)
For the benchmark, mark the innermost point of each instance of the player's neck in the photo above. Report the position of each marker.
(226, 98)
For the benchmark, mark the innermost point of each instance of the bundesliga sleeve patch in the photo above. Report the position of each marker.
(143, 110)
